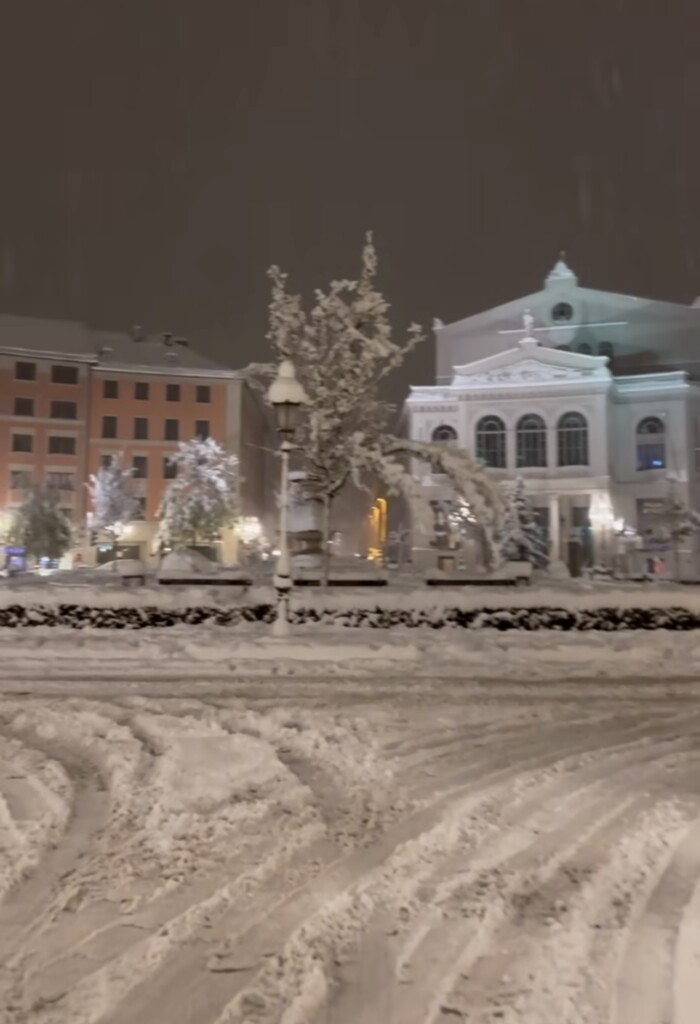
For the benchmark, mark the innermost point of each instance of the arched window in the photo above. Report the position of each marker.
(445, 434)
(572, 440)
(531, 441)
(605, 349)
(651, 443)
(585, 349)
(491, 441)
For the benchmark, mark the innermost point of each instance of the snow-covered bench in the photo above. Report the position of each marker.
(341, 581)
(131, 570)
(510, 574)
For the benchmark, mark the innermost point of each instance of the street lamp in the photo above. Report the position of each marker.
(286, 396)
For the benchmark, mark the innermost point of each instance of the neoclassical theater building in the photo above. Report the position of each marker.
(592, 397)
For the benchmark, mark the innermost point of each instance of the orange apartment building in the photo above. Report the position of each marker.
(71, 397)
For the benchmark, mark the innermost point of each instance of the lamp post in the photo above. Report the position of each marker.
(286, 396)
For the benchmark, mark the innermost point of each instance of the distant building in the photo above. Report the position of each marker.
(593, 398)
(71, 397)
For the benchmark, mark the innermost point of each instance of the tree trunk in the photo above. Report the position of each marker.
(325, 540)
(676, 559)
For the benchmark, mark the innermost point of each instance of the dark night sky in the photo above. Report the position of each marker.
(159, 154)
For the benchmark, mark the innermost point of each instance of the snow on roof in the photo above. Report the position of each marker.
(73, 341)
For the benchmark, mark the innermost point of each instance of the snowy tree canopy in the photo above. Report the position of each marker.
(678, 520)
(39, 525)
(203, 497)
(521, 538)
(343, 349)
(111, 494)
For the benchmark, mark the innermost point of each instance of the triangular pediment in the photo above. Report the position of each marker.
(530, 363)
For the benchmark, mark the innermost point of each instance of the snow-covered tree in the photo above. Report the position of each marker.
(40, 527)
(677, 523)
(521, 538)
(202, 499)
(113, 501)
(343, 350)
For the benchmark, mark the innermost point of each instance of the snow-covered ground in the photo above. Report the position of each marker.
(212, 830)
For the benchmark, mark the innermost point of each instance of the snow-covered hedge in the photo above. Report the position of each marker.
(79, 616)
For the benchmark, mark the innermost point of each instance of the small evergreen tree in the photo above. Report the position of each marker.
(203, 497)
(39, 525)
(113, 501)
(521, 536)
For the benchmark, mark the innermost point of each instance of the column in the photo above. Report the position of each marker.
(554, 538)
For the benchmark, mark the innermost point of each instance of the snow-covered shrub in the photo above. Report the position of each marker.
(502, 619)
(202, 499)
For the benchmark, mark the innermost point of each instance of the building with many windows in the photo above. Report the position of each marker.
(71, 397)
(593, 398)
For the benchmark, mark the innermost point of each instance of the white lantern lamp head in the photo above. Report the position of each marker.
(286, 396)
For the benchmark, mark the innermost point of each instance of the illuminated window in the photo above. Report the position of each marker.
(651, 444)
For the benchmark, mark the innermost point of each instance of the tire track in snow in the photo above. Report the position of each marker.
(644, 987)
(518, 839)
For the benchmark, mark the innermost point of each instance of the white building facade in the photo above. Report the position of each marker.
(594, 407)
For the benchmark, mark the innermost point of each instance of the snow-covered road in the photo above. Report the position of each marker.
(295, 851)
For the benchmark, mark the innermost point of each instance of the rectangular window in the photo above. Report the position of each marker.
(140, 466)
(64, 411)
(61, 481)
(651, 456)
(25, 371)
(172, 430)
(61, 446)
(201, 429)
(169, 469)
(110, 389)
(172, 392)
(20, 479)
(141, 390)
(203, 393)
(24, 406)
(109, 426)
(140, 428)
(140, 510)
(64, 374)
(22, 442)
(106, 461)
